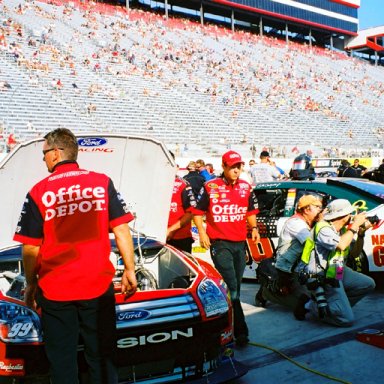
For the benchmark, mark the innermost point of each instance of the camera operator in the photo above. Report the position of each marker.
(288, 291)
(336, 287)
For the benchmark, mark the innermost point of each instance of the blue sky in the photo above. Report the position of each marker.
(371, 13)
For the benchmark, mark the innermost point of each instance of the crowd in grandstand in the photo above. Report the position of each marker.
(241, 76)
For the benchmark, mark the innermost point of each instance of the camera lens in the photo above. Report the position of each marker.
(321, 301)
(312, 284)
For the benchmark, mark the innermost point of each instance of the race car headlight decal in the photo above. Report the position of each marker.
(212, 298)
(19, 324)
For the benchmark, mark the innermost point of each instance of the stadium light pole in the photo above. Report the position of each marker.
(127, 4)
(166, 9)
(310, 37)
(286, 33)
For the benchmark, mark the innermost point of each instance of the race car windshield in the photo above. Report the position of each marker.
(375, 189)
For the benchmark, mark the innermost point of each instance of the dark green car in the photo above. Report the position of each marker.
(277, 202)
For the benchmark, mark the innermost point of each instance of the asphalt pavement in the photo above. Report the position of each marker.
(284, 350)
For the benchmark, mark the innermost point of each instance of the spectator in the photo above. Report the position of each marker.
(346, 170)
(251, 163)
(5, 85)
(75, 88)
(194, 178)
(360, 169)
(342, 167)
(200, 166)
(30, 126)
(264, 171)
(66, 260)
(91, 108)
(11, 141)
(229, 204)
(253, 150)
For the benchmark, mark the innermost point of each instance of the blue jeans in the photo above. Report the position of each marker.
(95, 321)
(229, 259)
(353, 287)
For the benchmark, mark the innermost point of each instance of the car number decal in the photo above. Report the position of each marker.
(378, 255)
(20, 330)
(360, 205)
(263, 249)
(378, 247)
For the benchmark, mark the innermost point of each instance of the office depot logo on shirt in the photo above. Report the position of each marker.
(228, 213)
(73, 199)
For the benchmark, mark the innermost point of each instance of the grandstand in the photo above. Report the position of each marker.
(102, 68)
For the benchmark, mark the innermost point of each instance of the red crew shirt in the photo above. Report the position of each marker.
(69, 215)
(182, 201)
(227, 207)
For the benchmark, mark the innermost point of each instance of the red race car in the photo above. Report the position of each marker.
(177, 327)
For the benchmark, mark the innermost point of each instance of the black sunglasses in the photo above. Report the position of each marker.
(45, 151)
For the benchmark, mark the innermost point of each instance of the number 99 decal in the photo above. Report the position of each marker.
(20, 330)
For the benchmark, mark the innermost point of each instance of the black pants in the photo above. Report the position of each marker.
(95, 321)
(229, 259)
(182, 244)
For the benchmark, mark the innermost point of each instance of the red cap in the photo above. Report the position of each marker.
(231, 157)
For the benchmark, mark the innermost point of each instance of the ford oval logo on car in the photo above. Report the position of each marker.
(91, 141)
(134, 315)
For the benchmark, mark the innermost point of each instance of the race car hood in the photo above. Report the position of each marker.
(141, 169)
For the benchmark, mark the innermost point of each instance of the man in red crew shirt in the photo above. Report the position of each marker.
(228, 203)
(64, 227)
(179, 222)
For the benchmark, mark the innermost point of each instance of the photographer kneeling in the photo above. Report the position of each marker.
(286, 290)
(335, 287)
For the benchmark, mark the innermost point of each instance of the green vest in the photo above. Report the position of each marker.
(335, 260)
